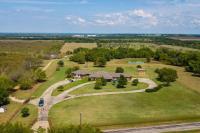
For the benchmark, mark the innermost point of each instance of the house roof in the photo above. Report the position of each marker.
(81, 72)
(107, 75)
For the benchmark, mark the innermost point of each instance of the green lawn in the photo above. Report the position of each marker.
(108, 88)
(12, 108)
(27, 121)
(174, 103)
(70, 85)
(57, 76)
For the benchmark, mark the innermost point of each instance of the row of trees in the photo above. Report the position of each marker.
(101, 55)
(190, 60)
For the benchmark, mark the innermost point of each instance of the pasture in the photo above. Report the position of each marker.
(71, 46)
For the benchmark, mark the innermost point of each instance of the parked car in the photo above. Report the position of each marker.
(41, 102)
(71, 80)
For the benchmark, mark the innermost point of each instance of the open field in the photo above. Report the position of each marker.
(71, 46)
(27, 121)
(108, 88)
(12, 108)
(30, 46)
(186, 38)
(174, 103)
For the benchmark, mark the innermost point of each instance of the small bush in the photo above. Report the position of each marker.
(154, 89)
(25, 112)
(60, 88)
(135, 82)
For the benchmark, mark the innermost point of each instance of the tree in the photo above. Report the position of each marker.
(40, 75)
(60, 63)
(5, 83)
(119, 70)
(167, 75)
(98, 84)
(100, 62)
(122, 81)
(135, 82)
(103, 82)
(25, 112)
(148, 59)
(139, 66)
(25, 83)
(4, 97)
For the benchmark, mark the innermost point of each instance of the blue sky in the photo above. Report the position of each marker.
(100, 16)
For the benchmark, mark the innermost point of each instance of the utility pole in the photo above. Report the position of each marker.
(80, 119)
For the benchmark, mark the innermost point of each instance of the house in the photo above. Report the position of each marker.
(95, 75)
(80, 74)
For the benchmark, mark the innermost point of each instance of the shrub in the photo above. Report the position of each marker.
(122, 81)
(154, 89)
(119, 70)
(60, 88)
(14, 128)
(139, 66)
(135, 82)
(98, 84)
(75, 129)
(60, 63)
(25, 112)
(103, 82)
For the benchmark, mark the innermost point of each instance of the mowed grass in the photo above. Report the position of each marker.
(177, 103)
(71, 46)
(70, 85)
(57, 76)
(108, 88)
(173, 103)
(27, 121)
(12, 108)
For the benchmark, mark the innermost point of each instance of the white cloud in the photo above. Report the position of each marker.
(132, 18)
(75, 20)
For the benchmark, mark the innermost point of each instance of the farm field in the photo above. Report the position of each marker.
(71, 46)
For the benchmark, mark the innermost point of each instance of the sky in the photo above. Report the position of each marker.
(100, 16)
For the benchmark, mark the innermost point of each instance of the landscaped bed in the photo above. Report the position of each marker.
(108, 88)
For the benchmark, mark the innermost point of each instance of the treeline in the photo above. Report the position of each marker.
(101, 55)
(190, 60)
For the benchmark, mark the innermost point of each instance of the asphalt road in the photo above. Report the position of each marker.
(159, 129)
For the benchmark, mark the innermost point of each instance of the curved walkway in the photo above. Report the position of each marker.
(49, 100)
(16, 99)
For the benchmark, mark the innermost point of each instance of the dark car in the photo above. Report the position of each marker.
(71, 80)
(41, 102)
